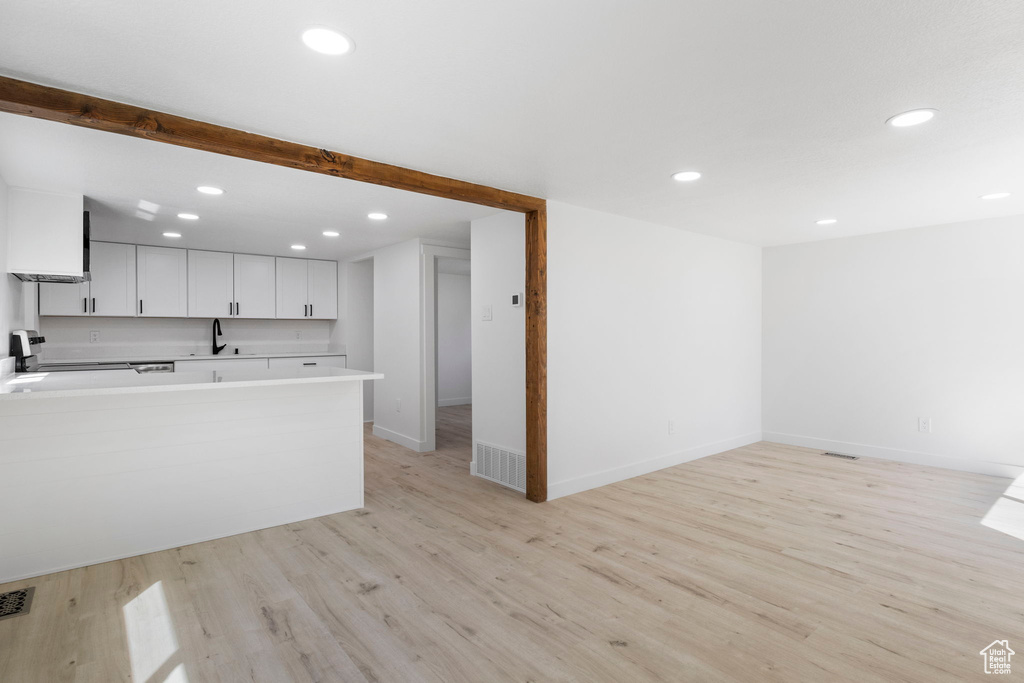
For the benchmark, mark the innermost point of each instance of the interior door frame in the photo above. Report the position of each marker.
(428, 333)
(64, 106)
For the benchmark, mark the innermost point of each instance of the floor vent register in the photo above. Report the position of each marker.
(501, 465)
(844, 456)
(15, 603)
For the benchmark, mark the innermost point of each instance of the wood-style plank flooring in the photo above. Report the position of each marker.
(766, 563)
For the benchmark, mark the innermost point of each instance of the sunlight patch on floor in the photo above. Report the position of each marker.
(151, 639)
(1007, 514)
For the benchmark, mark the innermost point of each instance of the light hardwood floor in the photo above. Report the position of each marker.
(766, 563)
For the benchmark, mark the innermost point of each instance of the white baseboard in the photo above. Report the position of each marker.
(996, 469)
(617, 474)
(400, 439)
(445, 402)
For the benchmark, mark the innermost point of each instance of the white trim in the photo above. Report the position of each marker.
(616, 474)
(445, 402)
(401, 439)
(997, 469)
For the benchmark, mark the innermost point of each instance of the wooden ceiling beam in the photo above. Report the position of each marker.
(53, 104)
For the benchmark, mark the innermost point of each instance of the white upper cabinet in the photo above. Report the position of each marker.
(292, 299)
(110, 293)
(113, 279)
(307, 289)
(323, 290)
(163, 282)
(254, 286)
(211, 284)
(63, 299)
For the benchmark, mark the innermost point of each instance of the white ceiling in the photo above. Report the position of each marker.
(781, 103)
(264, 209)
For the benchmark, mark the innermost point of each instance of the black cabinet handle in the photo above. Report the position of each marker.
(305, 310)
(94, 304)
(311, 310)
(238, 309)
(231, 308)
(309, 363)
(85, 304)
(140, 306)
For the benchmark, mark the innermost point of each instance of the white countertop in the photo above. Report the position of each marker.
(158, 357)
(27, 385)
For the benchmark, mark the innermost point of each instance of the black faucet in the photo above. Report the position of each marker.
(217, 333)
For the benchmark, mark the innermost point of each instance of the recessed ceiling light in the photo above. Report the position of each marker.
(298, 247)
(331, 233)
(826, 221)
(995, 195)
(188, 216)
(686, 176)
(911, 118)
(172, 234)
(377, 216)
(209, 189)
(327, 41)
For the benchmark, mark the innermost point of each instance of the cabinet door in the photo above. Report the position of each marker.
(254, 286)
(323, 290)
(163, 282)
(307, 362)
(292, 300)
(211, 284)
(113, 286)
(63, 299)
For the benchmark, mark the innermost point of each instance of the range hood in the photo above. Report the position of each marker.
(48, 236)
(66, 279)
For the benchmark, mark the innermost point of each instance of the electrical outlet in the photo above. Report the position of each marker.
(924, 424)
(398, 405)
(94, 336)
(298, 334)
(671, 426)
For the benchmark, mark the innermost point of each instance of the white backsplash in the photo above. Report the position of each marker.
(68, 338)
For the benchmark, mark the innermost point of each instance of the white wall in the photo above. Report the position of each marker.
(646, 324)
(12, 292)
(864, 335)
(454, 340)
(498, 269)
(397, 350)
(357, 325)
(68, 338)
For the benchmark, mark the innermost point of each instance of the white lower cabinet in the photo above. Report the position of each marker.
(308, 362)
(220, 364)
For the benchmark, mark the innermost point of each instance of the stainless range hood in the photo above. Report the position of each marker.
(48, 236)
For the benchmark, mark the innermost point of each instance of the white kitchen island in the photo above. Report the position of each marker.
(109, 464)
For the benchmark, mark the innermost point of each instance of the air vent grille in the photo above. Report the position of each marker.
(501, 465)
(15, 603)
(841, 455)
